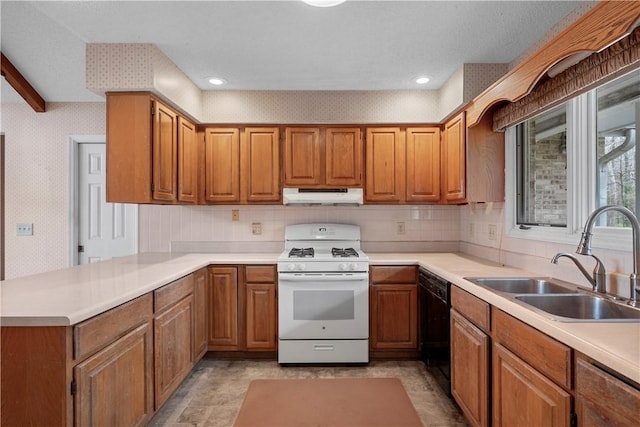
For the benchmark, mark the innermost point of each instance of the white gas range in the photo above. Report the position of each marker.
(323, 295)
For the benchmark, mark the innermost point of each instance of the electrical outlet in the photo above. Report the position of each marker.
(472, 230)
(235, 215)
(493, 232)
(256, 228)
(24, 230)
(400, 228)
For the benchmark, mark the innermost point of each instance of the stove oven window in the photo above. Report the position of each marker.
(323, 305)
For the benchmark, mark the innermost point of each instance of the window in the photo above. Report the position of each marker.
(542, 161)
(571, 159)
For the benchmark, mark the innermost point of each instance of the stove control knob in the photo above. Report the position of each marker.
(352, 266)
(301, 266)
(291, 267)
(342, 266)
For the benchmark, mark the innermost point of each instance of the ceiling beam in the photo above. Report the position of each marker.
(21, 85)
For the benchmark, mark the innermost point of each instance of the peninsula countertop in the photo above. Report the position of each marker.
(69, 296)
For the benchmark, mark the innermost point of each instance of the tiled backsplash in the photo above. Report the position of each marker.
(184, 227)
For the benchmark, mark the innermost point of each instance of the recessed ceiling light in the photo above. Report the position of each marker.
(422, 80)
(323, 3)
(217, 81)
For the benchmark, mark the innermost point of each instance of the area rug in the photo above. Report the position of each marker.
(334, 402)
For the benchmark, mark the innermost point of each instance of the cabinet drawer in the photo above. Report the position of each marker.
(547, 355)
(260, 273)
(394, 274)
(172, 293)
(99, 331)
(472, 307)
(613, 402)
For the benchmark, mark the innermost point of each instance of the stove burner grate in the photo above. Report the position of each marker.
(301, 253)
(344, 253)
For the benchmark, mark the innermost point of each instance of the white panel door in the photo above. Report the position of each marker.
(105, 230)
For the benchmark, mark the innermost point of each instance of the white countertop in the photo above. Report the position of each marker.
(69, 296)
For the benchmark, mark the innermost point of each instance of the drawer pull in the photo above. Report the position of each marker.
(321, 347)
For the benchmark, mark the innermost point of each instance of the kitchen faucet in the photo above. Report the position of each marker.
(584, 247)
(599, 278)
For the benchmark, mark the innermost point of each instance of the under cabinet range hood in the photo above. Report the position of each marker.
(323, 196)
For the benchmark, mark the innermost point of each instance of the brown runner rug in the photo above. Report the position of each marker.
(335, 402)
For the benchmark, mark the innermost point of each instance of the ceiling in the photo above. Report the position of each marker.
(274, 45)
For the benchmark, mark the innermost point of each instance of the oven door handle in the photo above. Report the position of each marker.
(322, 277)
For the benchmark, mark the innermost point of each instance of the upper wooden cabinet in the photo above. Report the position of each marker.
(187, 161)
(241, 165)
(260, 165)
(385, 165)
(222, 165)
(423, 165)
(323, 157)
(302, 156)
(151, 151)
(454, 156)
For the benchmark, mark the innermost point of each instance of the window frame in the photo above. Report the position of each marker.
(581, 183)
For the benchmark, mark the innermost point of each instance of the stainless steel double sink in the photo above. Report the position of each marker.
(559, 300)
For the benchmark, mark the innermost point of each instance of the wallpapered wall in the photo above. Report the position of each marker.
(37, 180)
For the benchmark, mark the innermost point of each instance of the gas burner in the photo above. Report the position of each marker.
(301, 253)
(344, 253)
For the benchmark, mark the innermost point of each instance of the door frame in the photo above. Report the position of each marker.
(74, 208)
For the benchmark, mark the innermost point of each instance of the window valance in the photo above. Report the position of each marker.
(598, 68)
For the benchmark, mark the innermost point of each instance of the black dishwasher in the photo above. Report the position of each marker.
(435, 302)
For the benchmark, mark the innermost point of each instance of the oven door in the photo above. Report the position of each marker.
(323, 305)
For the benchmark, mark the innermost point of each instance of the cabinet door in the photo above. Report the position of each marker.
(187, 162)
(261, 316)
(222, 297)
(173, 345)
(423, 165)
(385, 165)
(222, 165)
(129, 147)
(343, 157)
(260, 165)
(470, 370)
(524, 397)
(393, 317)
(603, 400)
(454, 156)
(165, 149)
(115, 386)
(302, 156)
(200, 313)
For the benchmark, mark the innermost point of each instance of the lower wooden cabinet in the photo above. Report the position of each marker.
(222, 299)
(602, 400)
(173, 347)
(115, 386)
(470, 369)
(524, 397)
(200, 337)
(261, 308)
(393, 308)
(242, 308)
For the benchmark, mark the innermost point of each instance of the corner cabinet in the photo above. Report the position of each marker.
(151, 151)
(241, 165)
(323, 157)
(242, 308)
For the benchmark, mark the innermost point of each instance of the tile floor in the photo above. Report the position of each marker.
(213, 392)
